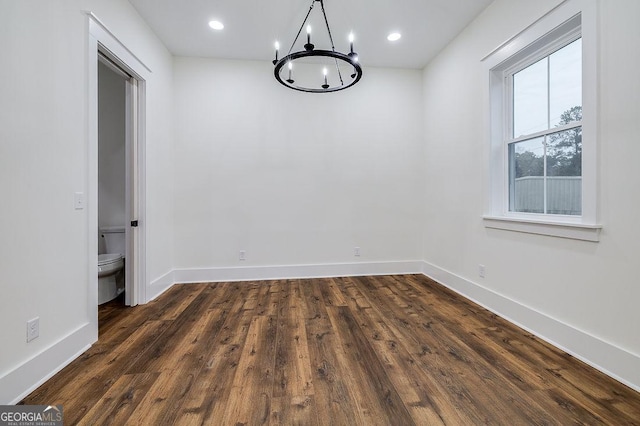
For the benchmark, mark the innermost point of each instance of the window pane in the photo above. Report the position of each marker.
(564, 172)
(565, 84)
(526, 176)
(530, 106)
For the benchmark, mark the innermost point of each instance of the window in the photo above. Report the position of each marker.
(544, 142)
(542, 128)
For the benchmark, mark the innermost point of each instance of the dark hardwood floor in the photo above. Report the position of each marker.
(393, 350)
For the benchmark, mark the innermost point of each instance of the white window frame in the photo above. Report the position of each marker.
(570, 20)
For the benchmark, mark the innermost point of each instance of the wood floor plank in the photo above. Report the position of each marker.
(124, 332)
(333, 399)
(489, 349)
(394, 350)
(269, 299)
(119, 402)
(90, 376)
(485, 372)
(206, 321)
(206, 401)
(430, 354)
(251, 300)
(354, 295)
(505, 347)
(165, 309)
(170, 343)
(252, 388)
(421, 393)
(331, 294)
(179, 372)
(469, 381)
(511, 346)
(378, 400)
(287, 410)
(313, 306)
(293, 383)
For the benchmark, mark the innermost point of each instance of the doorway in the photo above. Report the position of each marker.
(105, 50)
(114, 183)
(118, 173)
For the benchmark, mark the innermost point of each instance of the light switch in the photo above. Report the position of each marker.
(78, 200)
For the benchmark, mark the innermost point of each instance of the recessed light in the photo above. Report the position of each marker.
(394, 36)
(216, 25)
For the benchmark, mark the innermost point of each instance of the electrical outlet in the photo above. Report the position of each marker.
(356, 251)
(481, 271)
(243, 255)
(33, 329)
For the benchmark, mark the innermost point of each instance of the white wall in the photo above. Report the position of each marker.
(111, 150)
(590, 287)
(294, 178)
(43, 162)
(42, 155)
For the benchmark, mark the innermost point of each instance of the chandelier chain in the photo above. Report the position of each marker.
(302, 26)
(333, 47)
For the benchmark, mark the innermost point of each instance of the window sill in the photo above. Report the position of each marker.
(575, 231)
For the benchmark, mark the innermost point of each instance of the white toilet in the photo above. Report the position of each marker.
(111, 264)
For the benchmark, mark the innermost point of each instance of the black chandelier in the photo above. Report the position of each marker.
(309, 58)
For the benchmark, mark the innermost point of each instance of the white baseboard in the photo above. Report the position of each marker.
(159, 286)
(615, 362)
(252, 273)
(24, 379)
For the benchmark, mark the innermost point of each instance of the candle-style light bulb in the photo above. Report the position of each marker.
(325, 85)
(308, 47)
(353, 55)
(277, 48)
(290, 66)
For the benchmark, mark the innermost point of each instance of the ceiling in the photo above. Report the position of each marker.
(253, 26)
